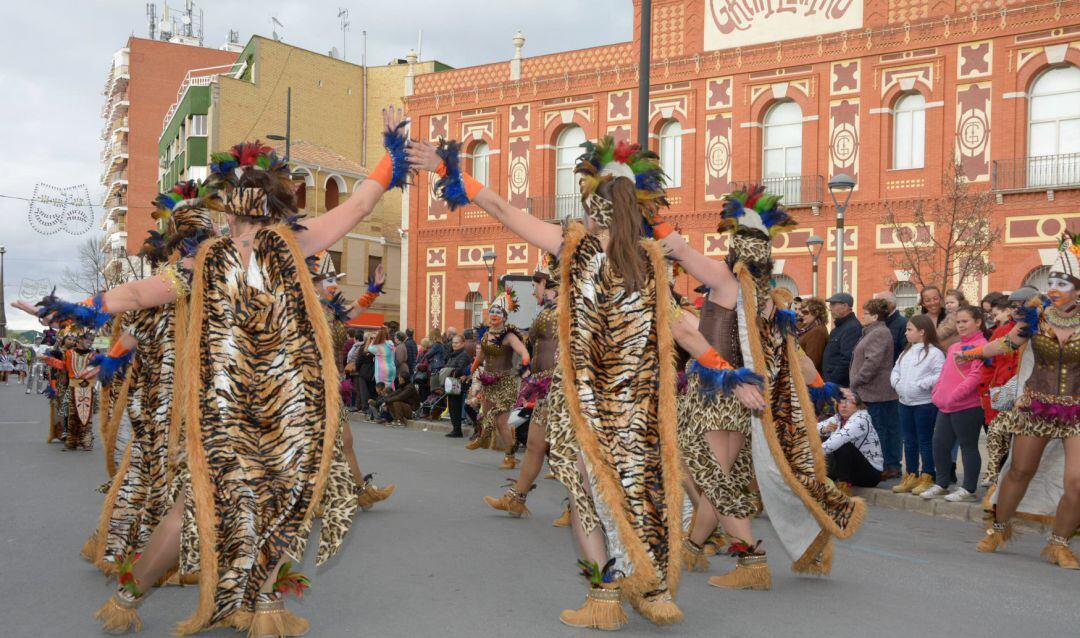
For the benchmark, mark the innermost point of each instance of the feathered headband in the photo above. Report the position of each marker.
(322, 266)
(507, 302)
(604, 161)
(183, 219)
(548, 270)
(226, 169)
(754, 210)
(1067, 265)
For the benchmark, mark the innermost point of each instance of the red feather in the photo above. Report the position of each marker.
(624, 150)
(755, 194)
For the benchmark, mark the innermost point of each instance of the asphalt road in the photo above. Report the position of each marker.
(435, 561)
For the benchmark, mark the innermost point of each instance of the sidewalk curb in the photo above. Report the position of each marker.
(411, 424)
(938, 508)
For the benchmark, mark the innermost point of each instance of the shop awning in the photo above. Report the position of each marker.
(367, 320)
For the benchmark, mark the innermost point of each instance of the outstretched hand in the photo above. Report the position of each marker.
(422, 156)
(750, 396)
(32, 310)
(392, 116)
(380, 275)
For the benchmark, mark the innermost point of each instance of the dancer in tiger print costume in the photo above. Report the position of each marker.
(725, 434)
(78, 398)
(338, 312)
(499, 379)
(542, 343)
(611, 407)
(258, 392)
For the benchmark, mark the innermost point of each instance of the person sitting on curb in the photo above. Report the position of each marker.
(851, 445)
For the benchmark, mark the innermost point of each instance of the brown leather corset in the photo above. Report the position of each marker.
(1057, 366)
(720, 327)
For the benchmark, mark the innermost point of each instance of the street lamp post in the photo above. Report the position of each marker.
(287, 138)
(3, 316)
(840, 183)
(814, 244)
(489, 262)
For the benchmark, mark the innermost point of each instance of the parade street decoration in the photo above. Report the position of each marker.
(33, 290)
(54, 209)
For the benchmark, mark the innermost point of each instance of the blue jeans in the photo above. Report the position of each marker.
(917, 423)
(887, 423)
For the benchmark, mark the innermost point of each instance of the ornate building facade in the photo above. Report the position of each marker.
(890, 92)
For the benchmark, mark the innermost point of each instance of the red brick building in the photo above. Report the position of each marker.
(887, 91)
(142, 84)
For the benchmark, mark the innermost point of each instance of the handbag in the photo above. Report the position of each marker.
(452, 385)
(1003, 397)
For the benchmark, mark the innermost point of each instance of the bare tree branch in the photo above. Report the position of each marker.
(88, 274)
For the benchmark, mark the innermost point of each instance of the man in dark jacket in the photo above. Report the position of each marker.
(410, 347)
(846, 332)
(403, 401)
(897, 323)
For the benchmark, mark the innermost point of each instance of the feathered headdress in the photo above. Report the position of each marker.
(229, 167)
(506, 302)
(548, 270)
(183, 220)
(322, 266)
(604, 161)
(755, 210)
(1067, 265)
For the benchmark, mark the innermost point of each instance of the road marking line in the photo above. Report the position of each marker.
(18, 422)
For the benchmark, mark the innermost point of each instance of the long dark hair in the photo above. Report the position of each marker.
(978, 315)
(926, 325)
(624, 250)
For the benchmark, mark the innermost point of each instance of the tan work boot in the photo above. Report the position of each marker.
(509, 462)
(751, 572)
(563, 520)
(368, 494)
(1058, 553)
(906, 485)
(602, 610)
(924, 483)
(513, 503)
(693, 557)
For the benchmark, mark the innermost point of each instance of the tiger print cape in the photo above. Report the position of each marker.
(138, 497)
(261, 409)
(615, 384)
(805, 508)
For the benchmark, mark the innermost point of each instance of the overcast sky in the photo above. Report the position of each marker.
(56, 56)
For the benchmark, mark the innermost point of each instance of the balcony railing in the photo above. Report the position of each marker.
(555, 208)
(195, 77)
(1046, 172)
(798, 190)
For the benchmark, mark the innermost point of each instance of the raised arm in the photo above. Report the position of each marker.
(545, 236)
(323, 231)
(717, 375)
(714, 273)
(96, 311)
(1027, 319)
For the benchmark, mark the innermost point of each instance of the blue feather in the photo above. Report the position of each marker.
(723, 381)
(481, 331)
(451, 188)
(224, 167)
(111, 366)
(87, 316)
(785, 320)
(293, 222)
(339, 306)
(50, 392)
(1029, 316)
(825, 394)
(373, 287)
(395, 140)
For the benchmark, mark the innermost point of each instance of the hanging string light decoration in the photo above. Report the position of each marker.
(33, 290)
(54, 209)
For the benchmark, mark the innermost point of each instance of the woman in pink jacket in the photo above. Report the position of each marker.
(960, 414)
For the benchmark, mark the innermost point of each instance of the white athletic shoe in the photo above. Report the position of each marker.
(932, 492)
(960, 495)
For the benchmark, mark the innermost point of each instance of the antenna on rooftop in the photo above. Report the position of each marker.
(151, 18)
(343, 16)
(274, 23)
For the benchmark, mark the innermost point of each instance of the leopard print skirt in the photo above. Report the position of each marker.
(728, 491)
(498, 398)
(998, 442)
(1027, 424)
(563, 457)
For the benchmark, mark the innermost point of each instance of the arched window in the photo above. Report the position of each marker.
(909, 131)
(474, 310)
(1038, 278)
(671, 152)
(335, 186)
(304, 180)
(786, 283)
(1054, 128)
(480, 161)
(907, 295)
(567, 150)
(782, 150)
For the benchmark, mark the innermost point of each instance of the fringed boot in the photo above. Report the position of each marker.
(510, 460)
(659, 608)
(1058, 553)
(564, 518)
(996, 536)
(118, 615)
(513, 503)
(368, 494)
(272, 620)
(482, 440)
(693, 557)
(751, 571)
(603, 603)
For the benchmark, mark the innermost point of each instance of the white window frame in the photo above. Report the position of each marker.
(481, 162)
(568, 203)
(670, 145)
(198, 126)
(1062, 166)
(909, 132)
(786, 182)
(907, 295)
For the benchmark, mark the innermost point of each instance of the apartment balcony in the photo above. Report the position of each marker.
(555, 208)
(119, 226)
(1042, 173)
(116, 183)
(114, 108)
(113, 172)
(116, 125)
(799, 191)
(196, 77)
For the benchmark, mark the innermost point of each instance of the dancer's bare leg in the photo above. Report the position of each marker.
(162, 551)
(502, 427)
(1067, 518)
(1027, 452)
(593, 547)
(350, 454)
(534, 458)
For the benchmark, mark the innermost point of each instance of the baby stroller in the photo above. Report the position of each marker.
(434, 405)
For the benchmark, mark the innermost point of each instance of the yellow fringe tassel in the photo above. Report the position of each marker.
(276, 623)
(817, 559)
(89, 548)
(118, 619)
(602, 610)
(661, 610)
